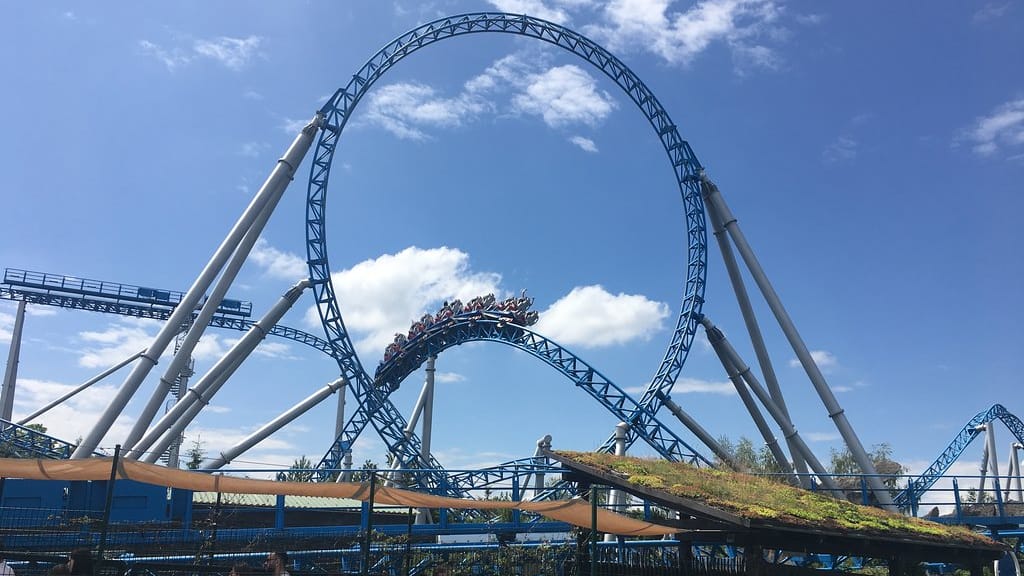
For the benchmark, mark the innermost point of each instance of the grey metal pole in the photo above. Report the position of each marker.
(339, 420)
(1016, 470)
(750, 320)
(423, 516)
(698, 430)
(207, 385)
(990, 443)
(274, 425)
(184, 353)
(788, 430)
(279, 179)
(83, 386)
(734, 371)
(11, 373)
(616, 497)
(835, 411)
(984, 465)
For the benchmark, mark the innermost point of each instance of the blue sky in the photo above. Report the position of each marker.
(873, 154)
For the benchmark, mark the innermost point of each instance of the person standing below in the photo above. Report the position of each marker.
(5, 570)
(276, 563)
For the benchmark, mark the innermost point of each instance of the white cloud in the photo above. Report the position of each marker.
(293, 126)
(585, 144)
(383, 296)
(252, 95)
(233, 53)
(277, 263)
(590, 317)
(695, 386)
(449, 377)
(172, 58)
(561, 96)
(680, 37)
(824, 359)
(400, 108)
(41, 310)
(821, 436)
(276, 350)
(843, 149)
(564, 95)
(252, 149)
(1002, 129)
(990, 11)
(535, 8)
(102, 349)
(74, 417)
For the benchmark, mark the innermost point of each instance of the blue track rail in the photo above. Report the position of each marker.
(922, 483)
(339, 109)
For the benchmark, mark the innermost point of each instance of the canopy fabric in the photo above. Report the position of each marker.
(575, 512)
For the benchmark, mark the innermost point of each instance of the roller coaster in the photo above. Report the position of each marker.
(187, 314)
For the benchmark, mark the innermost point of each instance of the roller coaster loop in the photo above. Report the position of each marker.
(336, 113)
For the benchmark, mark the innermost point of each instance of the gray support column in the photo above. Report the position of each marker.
(543, 445)
(617, 498)
(698, 430)
(735, 372)
(983, 469)
(750, 320)
(423, 514)
(11, 373)
(339, 419)
(835, 412)
(788, 430)
(278, 180)
(274, 425)
(990, 446)
(180, 415)
(1017, 446)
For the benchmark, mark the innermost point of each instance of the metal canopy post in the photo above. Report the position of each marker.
(835, 411)
(278, 180)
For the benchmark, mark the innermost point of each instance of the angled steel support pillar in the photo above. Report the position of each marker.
(835, 411)
(278, 180)
(11, 373)
(750, 320)
(736, 365)
(175, 421)
(274, 425)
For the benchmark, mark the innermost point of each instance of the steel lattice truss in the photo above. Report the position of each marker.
(373, 407)
(970, 431)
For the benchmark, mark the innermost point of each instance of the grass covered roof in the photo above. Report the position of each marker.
(766, 501)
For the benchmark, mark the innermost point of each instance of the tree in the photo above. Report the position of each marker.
(369, 466)
(748, 458)
(880, 455)
(196, 454)
(301, 471)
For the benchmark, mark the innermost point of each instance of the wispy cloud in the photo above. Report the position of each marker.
(843, 149)
(990, 11)
(821, 436)
(585, 144)
(823, 358)
(697, 386)
(535, 8)
(232, 53)
(402, 108)
(252, 149)
(747, 27)
(1000, 130)
(591, 317)
(449, 377)
(561, 96)
(278, 263)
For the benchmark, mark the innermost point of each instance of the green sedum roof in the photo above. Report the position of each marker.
(768, 501)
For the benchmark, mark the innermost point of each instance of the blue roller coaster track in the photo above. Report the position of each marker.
(337, 111)
(971, 430)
